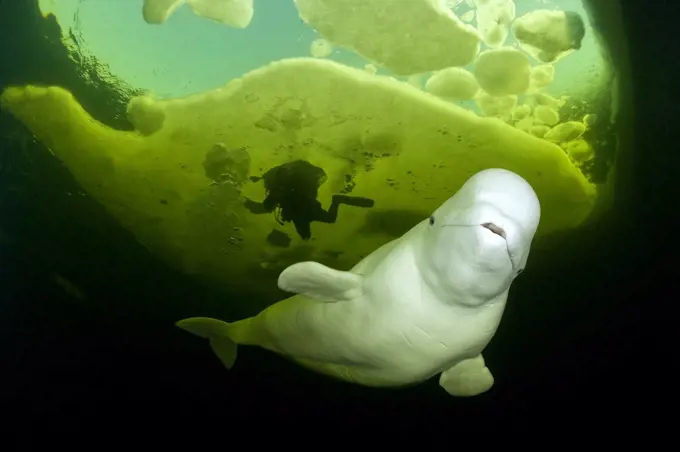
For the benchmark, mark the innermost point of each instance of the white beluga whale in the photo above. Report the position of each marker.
(424, 304)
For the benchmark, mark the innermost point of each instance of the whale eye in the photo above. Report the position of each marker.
(431, 221)
(519, 272)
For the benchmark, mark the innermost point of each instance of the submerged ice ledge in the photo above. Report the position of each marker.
(404, 148)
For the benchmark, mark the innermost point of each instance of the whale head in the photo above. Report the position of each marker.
(478, 241)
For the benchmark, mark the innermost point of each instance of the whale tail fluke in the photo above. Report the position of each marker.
(217, 332)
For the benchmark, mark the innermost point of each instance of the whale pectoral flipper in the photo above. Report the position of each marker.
(320, 282)
(468, 378)
(217, 332)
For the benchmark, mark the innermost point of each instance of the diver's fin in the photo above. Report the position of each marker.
(468, 378)
(320, 282)
(217, 332)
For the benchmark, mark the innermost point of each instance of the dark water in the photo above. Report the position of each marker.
(577, 326)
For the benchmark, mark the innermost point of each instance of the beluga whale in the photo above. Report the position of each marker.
(424, 304)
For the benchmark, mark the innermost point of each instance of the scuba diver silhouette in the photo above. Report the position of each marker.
(292, 189)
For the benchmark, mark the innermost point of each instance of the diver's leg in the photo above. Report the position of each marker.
(356, 201)
(303, 228)
(469, 377)
(331, 215)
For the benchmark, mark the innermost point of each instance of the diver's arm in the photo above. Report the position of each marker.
(258, 207)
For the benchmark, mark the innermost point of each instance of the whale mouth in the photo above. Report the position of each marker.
(495, 229)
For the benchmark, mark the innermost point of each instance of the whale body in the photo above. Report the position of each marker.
(424, 304)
